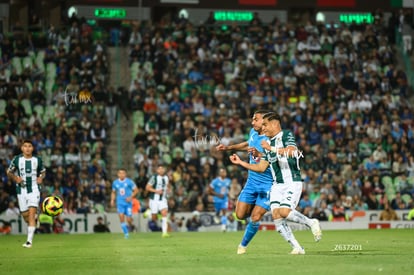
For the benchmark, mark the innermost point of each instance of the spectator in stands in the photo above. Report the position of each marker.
(388, 214)
(193, 224)
(100, 226)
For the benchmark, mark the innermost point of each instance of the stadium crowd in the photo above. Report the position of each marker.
(195, 86)
(41, 76)
(336, 87)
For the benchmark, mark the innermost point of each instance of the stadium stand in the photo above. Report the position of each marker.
(339, 89)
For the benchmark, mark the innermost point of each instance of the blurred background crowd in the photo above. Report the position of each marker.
(338, 88)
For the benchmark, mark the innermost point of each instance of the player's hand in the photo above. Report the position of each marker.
(39, 180)
(18, 180)
(265, 145)
(254, 152)
(235, 159)
(159, 191)
(221, 147)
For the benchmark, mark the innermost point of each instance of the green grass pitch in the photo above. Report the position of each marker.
(340, 252)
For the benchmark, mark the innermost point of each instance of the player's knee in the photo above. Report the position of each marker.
(241, 215)
(256, 217)
(284, 212)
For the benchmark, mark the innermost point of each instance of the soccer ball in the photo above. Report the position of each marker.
(52, 206)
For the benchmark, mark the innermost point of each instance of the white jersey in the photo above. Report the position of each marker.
(29, 169)
(159, 182)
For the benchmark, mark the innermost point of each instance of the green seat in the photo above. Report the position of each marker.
(39, 110)
(316, 58)
(138, 119)
(51, 70)
(27, 106)
(17, 64)
(39, 60)
(3, 105)
(327, 59)
(134, 68)
(166, 158)
(411, 181)
(406, 198)
(386, 180)
(49, 113)
(27, 61)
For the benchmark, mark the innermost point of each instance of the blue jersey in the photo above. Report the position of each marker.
(257, 188)
(123, 189)
(220, 186)
(264, 178)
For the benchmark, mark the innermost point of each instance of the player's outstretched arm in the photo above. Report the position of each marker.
(259, 167)
(113, 195)
(236, 147)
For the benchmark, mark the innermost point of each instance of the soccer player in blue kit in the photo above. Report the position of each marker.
(219, 189)
(253, 200)
(124, 190)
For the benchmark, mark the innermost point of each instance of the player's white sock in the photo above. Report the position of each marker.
(284, 230)
(164, 224)
(30, 233)
(298, 217)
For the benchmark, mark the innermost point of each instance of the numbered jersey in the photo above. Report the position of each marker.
(123, 189)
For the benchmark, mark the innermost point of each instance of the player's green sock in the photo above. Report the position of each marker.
(250, 232)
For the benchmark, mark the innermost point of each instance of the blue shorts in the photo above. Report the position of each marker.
(254, 193)
(125, 209)
(218, 206)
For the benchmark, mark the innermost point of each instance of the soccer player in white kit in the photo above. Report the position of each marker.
(27, 171)
(282, 155)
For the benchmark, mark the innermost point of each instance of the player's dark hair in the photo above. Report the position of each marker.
(262, 111)
(272, 116)
(27, 141)
(122, 169)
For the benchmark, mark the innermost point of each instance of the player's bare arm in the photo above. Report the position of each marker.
(41, 177)
(265, 145)
(113, 195)
(149, 188)
(258, 167)
(134, 193)
(13, 177)
(213, 193)
(243, 146)
(254, 152)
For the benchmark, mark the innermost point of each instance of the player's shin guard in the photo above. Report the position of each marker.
(164, 225)
(298, 217)
(284, 230)
(30, 232)
(223, 223)
(250, 232)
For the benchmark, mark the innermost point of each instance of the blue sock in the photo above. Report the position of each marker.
(251, 230)
(224, 220)
(124, 227)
